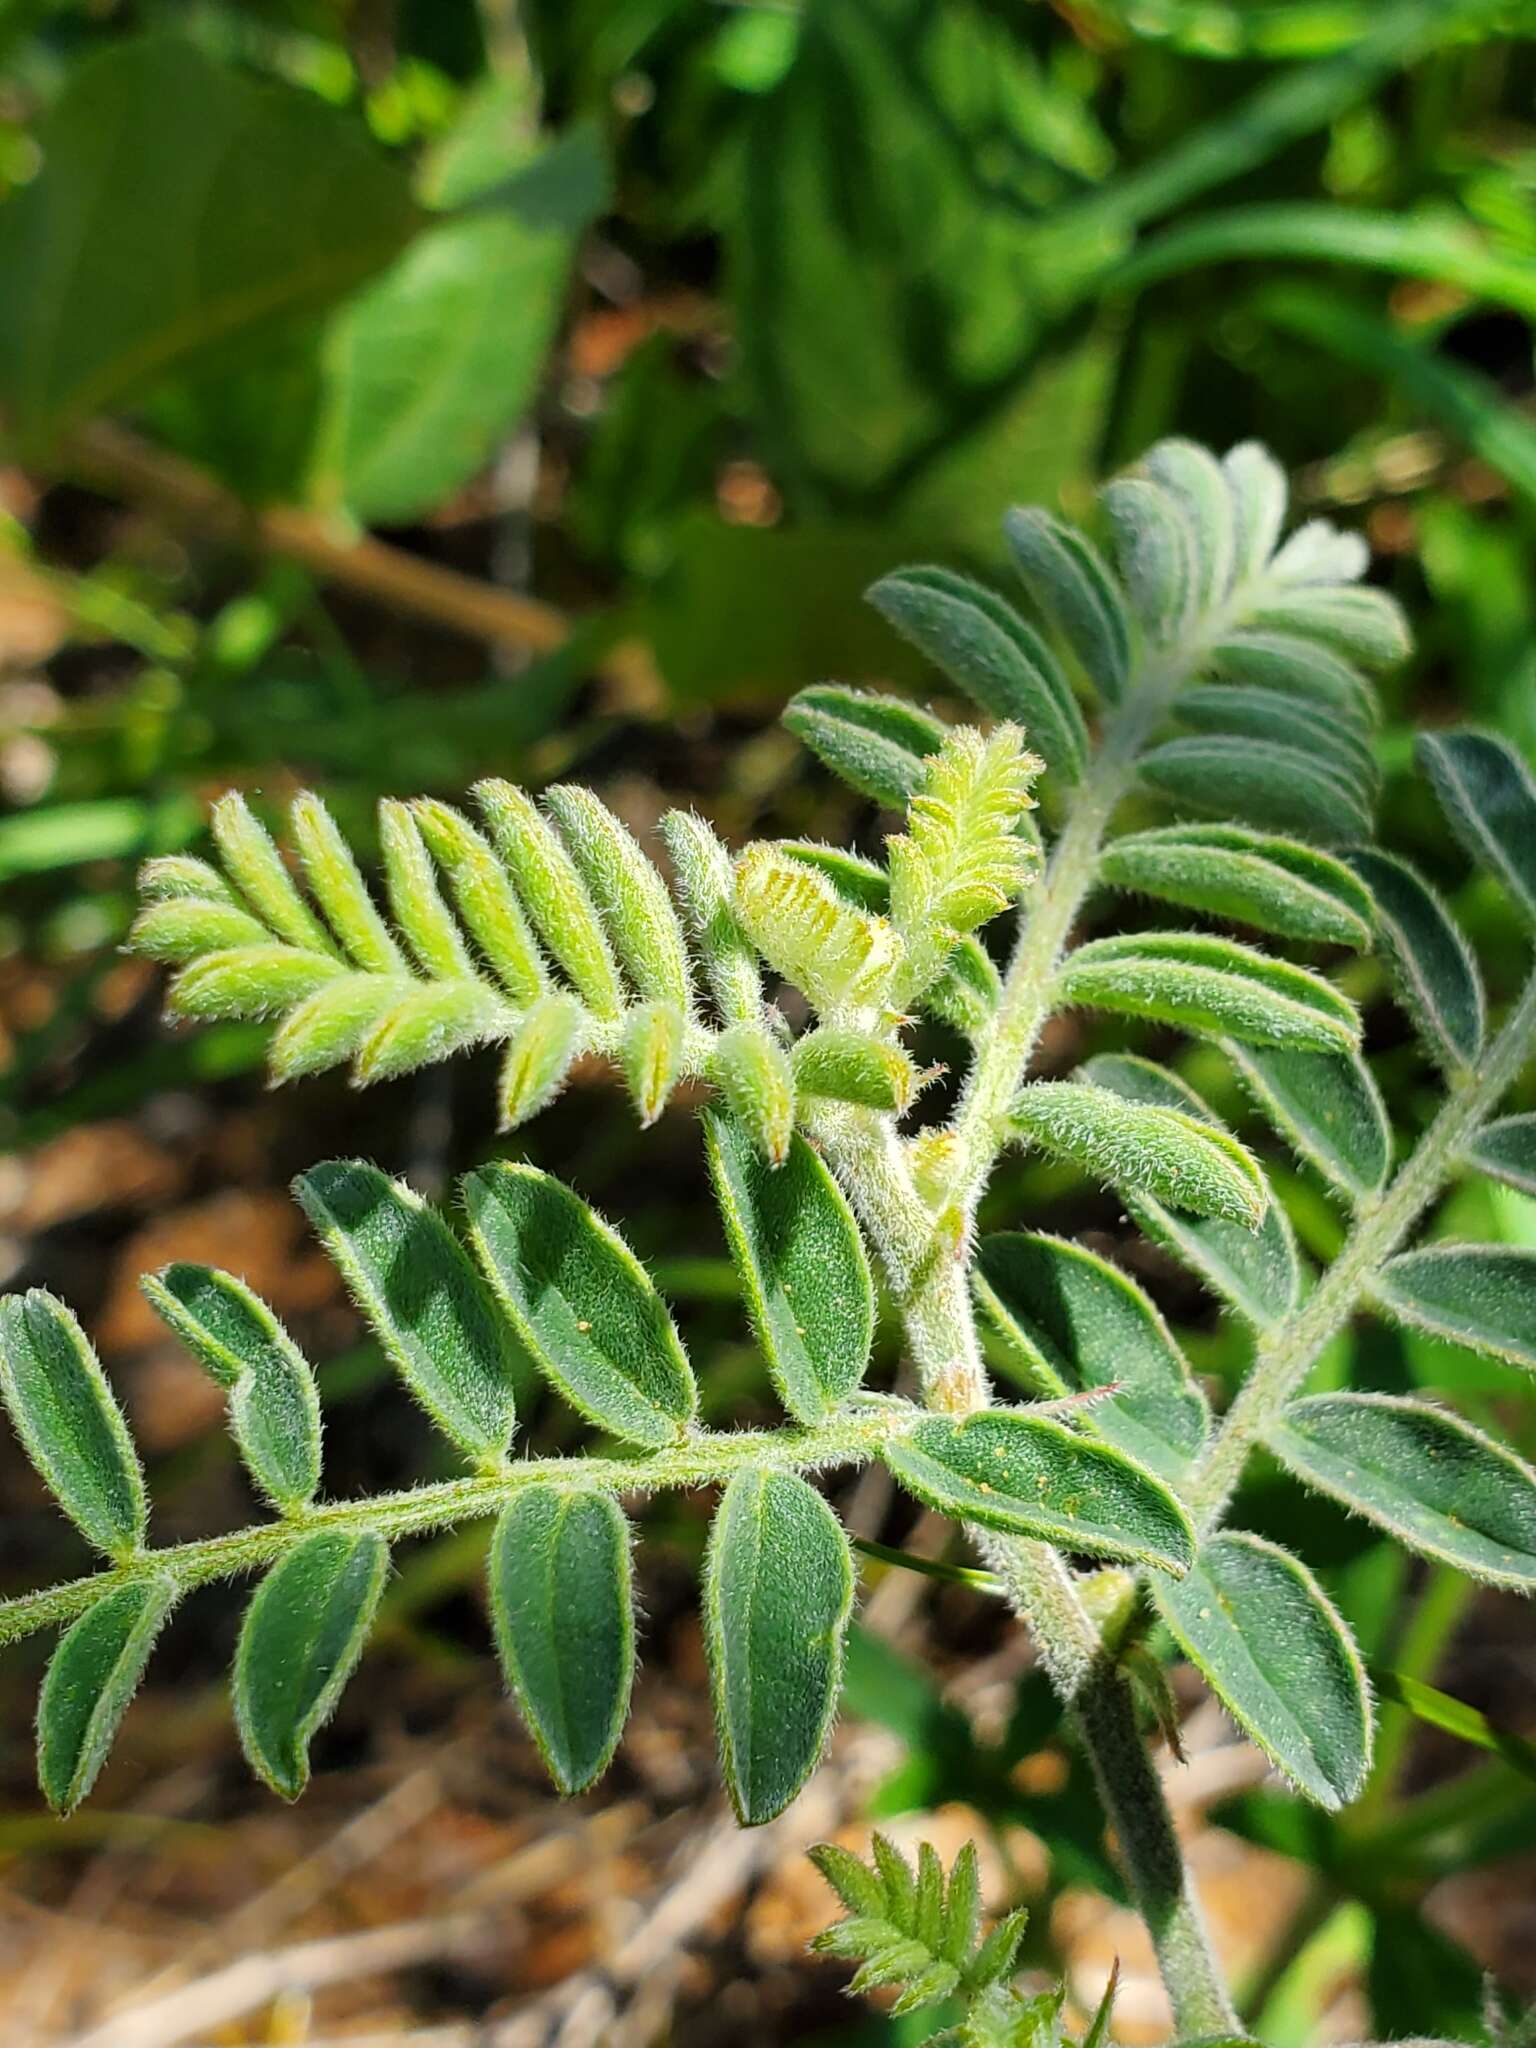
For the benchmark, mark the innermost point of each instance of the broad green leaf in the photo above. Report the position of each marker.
(62, 1409)
(415, 1283)
(1421, 1473)
(1277, 788)
(1328, 1106)
(1213, 986)
(1078, 1323)
(299, 1644)
(1486, 791)
(1277, 885)
(1480, 1295)
(778, 1591)
(1143, 1150)
(181, 205)
(630, 895)
(1255, 1270)
(563, 1608)
(91, 1677)
(1066, 578)
(1276, 1654)
(581, 1303)
(1030, 1476)
(802, 1267)
(757, 1079)
(1248, 712)
(274, 1408)
(1432, 963)
(981, 643)
(877, 744)
(1506, 1151)
(1284, 661)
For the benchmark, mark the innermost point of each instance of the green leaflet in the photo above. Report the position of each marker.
(778, 1591)
(563, 1608)
(1480, 1295)
(1078, 1323)
(1432, 964)
(1283, 661)
(256, 868)
(581, 1303)
(877, 744)
(181, 928)
(249, 981)
(1254, 1270)
(1423, 1474)
(808, 932)
(757, 1079)
(1154, 552)
(1365, 625)
(630, 895)
(553, 894)
(706, 888)
(274, 1408)
(547, 1042)
(1486, 791)
(1030, 1476)
(330, 1026)
(340, 890)
(1275, 1652)
(421, 916)
(853, 1066)
(1213, 986)
(1197, 483)
(1249, 712)
(486, 899)
(1144, 1150)
(92, 1676)
(802, 1267)
(1278, 787)
(299, 1644)
(62, 1409)
(1506, 1151)
(1066, 578)
(1278, 885)
(652, 1056)
(1328, 1106)
(416, 1285)
(1259, 492)
(981, 643)
(431, 1023)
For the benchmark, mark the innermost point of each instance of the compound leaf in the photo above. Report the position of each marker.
(91, 1677)
(1274, 1651)
(802, 1267)
(1078, 1323)
(415, 1283)
(72, 1428)
(1028, 1475)
(1432, 963)
(581, 1303)
(563, 1608)
(1480, 1295)
(1421, 1473)
(1328, 1106)
(778, 1591)
(1178, 1159)
(299, 1644)
(1213, 986)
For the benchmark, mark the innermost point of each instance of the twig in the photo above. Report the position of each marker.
(119, 463)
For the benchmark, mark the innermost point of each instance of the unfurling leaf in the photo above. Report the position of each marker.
(1078, 1323)
(274, 1408)
(581, 1303)
(91, 1677)
(981, 644)
(1328, 1106)
(1212, 986)
(1154, 551)
(802, 1266)
(808, 933)
(563, 1608)
(778, 1591)
(1432, 963)
(1277, 885)
(416, 1285)
(1177, 1159)
(73, 1430)
(303, 1634)
(1486, 791)
(853, 1066)
(1028, 1475)
(1422, 1474)
(876, 744)
(1480, 1295)
(1274, 1651)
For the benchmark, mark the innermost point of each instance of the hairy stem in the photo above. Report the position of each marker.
(701, 1459)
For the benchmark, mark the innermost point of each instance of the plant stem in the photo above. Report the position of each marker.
(701, 1459)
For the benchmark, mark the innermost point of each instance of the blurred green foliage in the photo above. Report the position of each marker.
(690, 320)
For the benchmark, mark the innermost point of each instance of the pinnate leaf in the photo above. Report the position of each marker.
(1252, 878)
(416, 1285)
(802, 1267)
(1213, 986)
(1486, 791)
(1276, 1654)
(1421, 1473)
(1028, 1475)
(563, 1608)
(778, 1591)
(1432, 963)
(303, 1634)
(72, 1428)
(1175, 1158)
(1480, 1295)
(91, 1677)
